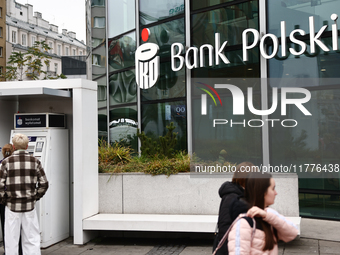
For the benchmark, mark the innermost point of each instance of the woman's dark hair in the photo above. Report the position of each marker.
(240, 175)
(7, 150)
(257, 185)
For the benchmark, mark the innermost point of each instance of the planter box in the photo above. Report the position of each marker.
(180, 194)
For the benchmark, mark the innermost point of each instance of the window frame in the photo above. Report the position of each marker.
(14, 36)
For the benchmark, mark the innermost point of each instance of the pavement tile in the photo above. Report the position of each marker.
(328, 247)
(118, 250)
(197, 250)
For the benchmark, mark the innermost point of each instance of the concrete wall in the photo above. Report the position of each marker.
(138, 193)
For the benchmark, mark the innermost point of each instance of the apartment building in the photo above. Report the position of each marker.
(25, 27)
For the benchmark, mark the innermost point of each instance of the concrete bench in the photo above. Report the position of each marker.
(158, 222)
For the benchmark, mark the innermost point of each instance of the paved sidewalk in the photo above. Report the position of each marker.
(132, 246)
(318, 237)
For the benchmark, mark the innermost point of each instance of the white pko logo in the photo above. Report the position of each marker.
(19, 122)
(147, 62)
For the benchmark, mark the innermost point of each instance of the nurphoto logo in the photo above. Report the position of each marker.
(147, 62)
(238, 100)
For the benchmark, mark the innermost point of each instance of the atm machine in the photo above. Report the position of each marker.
(48, 141)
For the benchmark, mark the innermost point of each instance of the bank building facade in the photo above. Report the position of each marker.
(282, 57)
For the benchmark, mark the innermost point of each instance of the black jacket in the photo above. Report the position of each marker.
(231, 206)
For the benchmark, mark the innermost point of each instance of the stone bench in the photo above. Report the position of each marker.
(157, 222)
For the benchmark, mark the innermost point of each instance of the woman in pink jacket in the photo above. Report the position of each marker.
(270, 225)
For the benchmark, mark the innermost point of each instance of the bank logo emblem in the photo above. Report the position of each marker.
(147, 62)
(19, 122)
(204, 97)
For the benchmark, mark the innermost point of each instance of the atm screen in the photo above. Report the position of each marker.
(39, 147)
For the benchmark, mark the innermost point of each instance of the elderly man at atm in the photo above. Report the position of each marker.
(22, 183)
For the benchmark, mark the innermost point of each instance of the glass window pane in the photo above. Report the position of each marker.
(316, 138)
(123, 126)
(195, 5)
(96, 42)
(234, 141)
(169, 85)
(98, 3)
(123, 88)
(228, 21)
(152, 11)
(99, 22)
(316, 205)
(121, 17)
(319, 65)
(296, 13)
(236, 67)
(155, 118)
(102, 92)
(165, 34)
(122, 52)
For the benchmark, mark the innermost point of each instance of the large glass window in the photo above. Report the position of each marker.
(123, 88)
(155, 118)
(121, 17)
(234, 139)
(169, 85)
(153, 11)
(315, 140)
(165, 34)
(122, 52)
(296, 14)
(229, 21)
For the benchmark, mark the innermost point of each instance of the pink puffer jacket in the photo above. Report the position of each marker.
(241, 243)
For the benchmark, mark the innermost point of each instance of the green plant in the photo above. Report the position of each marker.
(164, 146)
(153, 166)
(111, 155)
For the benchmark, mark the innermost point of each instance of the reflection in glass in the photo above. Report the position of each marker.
(169, 85)
(166, 34)
(319, 65)
(296, 13)
(235, 142)
(228, 21)
(98, 3)
(316, 205)
(123, 88)
(152, 11)
(316, 138)
(97, 41)
(102, 127)
(155, 118)
(123, 126)
(195, 5)
(122, 52)
(121, 17)
(236, 68)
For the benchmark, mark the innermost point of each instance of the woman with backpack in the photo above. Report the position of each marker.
(270, 227)
(231, 206)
